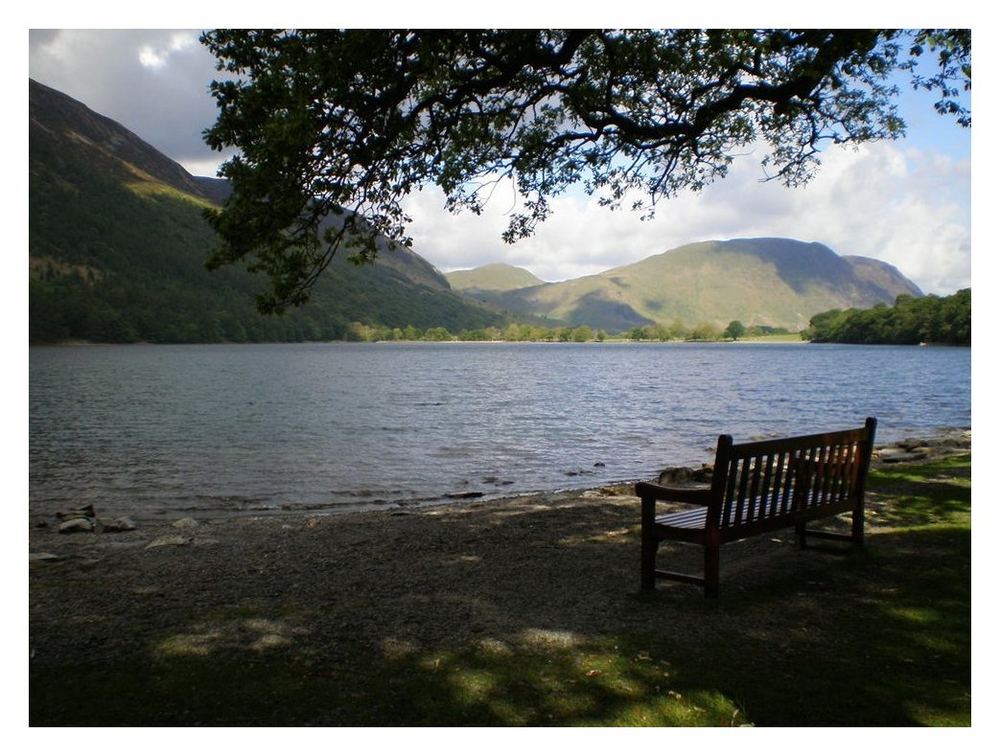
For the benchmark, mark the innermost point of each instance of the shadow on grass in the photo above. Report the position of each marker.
(529, 617)
(936, 492)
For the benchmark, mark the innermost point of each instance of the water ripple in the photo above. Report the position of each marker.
(225, 427)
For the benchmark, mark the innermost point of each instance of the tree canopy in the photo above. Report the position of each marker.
(325, 121)
(911, 320)
(735, 330)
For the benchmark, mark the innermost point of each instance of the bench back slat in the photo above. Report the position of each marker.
(763, 480)
(840, 487)
(818, 490)
(741, 491)
(754, 488)
(785, 488)
(835, 475)
(766, 485)
(732, 465)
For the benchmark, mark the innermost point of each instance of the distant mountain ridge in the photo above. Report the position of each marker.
(492, 277)
(761, 281)
(117, 246)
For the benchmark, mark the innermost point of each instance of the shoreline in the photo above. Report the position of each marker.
(697, 342)
(913, 448)
(82, 342)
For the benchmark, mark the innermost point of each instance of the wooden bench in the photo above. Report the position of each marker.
(759, 487)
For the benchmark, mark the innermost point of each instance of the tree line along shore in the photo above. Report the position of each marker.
(910, 320)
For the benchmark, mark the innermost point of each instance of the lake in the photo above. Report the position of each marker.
(151, 430)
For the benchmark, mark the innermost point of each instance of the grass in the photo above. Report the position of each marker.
(880, 637)
(149, 187)
(774, 337)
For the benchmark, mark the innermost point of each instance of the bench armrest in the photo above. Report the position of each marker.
(700, 496)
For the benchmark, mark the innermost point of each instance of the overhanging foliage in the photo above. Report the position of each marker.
(330, 119)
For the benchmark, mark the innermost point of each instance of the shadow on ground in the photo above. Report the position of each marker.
(506, 614)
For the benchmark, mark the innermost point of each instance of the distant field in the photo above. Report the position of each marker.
(774, 337)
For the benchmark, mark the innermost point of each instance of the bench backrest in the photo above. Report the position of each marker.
(759, 482)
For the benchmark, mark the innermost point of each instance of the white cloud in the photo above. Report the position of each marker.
(157, 57)
(906, 207)
(150, 58)
(206, 167)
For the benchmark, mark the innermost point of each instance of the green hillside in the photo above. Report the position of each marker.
(771, 282)
(117, 246)
(492, 277)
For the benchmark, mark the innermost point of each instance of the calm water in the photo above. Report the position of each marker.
(155, 430)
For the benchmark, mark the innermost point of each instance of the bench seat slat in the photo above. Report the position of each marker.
(686, 518)
(695, 518)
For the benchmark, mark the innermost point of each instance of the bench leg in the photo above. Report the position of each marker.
(711, 570)
(858, 527)
(648, 567)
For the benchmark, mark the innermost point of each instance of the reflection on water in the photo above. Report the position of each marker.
(149, 429)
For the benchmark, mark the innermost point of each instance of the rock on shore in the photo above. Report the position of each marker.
(86, 520)
(915, 449)
(912, 449)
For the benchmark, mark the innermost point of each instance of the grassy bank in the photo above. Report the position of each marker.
(814, 637)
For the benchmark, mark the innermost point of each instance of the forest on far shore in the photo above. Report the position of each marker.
(911, 320)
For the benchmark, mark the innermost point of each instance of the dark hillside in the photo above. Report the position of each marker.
(117, 245)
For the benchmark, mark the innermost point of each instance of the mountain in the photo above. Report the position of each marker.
(117, 245)
(881, 274)
(60, 124)
(492, 277)
(768, 281)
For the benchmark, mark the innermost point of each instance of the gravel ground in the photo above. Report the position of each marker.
(429, 576)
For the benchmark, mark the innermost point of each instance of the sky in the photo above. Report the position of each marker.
(906, 202)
